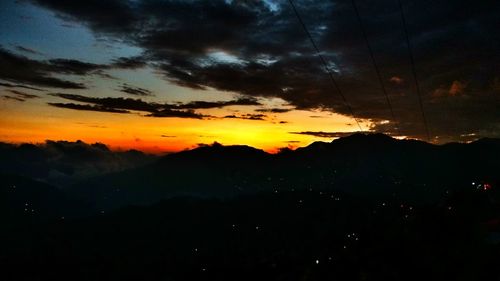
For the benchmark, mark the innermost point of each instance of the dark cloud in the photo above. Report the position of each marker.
(64, 162)
(129, 62)
(116, 103)
(23, 70)
(8, 85)
(321, 134)
(135, 91)
(27, 50)
(259, 117)
(13, 98)
(74, 67)
(125, 105)
(88, 107)
(216, 104)
(250, 49)
(274, 110)
(177, 113)
(23, 95)
(18, 96)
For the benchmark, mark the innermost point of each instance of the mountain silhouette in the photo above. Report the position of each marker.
(363, 164)
(363, 207)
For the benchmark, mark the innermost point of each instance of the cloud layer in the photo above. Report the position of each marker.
(46, 73)
(153, 109)
(18, 95)
(322, 134)
(258, 49)
(64, 162)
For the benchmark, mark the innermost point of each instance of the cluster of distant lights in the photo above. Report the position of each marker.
(27, 208)
(482, 186)
(350, 237)
(353, 236)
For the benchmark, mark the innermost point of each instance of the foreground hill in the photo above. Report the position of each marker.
(362, 164)
(296, 235)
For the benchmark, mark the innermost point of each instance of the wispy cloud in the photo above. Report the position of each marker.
(135, 91)
(19, 96)
(259, 117)
(27, 50)
(126, 105)
(322, 134)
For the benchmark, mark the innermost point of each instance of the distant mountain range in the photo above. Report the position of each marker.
(363, 207)
(370, 165)
(373, 165)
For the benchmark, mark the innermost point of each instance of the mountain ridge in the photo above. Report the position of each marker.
(352, 164)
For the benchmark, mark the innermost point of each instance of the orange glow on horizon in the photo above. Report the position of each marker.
(36, 122)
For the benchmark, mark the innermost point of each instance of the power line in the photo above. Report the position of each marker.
(379, 76)
(325, 65)
(414, 72)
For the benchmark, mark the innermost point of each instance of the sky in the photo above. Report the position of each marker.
(163, 76)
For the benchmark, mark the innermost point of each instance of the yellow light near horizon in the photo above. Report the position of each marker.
(36, 123)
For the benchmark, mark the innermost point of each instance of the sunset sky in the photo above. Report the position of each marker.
(163, 76)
